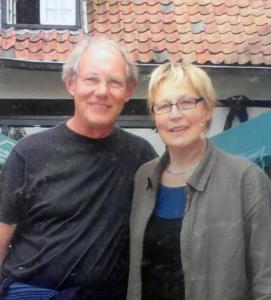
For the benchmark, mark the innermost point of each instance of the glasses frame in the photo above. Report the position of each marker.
(178, 105)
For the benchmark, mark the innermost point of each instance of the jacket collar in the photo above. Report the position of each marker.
(200, 176)
(156, 171)
(202, 173)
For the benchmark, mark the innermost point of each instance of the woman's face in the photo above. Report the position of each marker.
(180, 128)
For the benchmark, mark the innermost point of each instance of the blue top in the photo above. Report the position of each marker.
(161, 268)
(170, 203)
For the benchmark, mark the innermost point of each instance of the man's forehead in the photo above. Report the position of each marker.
(104, 50)
(104, 57)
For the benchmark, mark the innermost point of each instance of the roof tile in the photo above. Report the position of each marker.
(244, 58)
(22, 55)
(220, 10)
(255, 48)
(257, 59)
(242, 48)
(211, 28)
(199, 31)
(232, 10)
(205, 7)
(203, 57)
(266, 50)
(264, 30)
(181, 8)
(231, 58)
(267, 60)
(194, 9)
(8, 43)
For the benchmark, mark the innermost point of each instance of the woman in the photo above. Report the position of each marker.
(201, 218)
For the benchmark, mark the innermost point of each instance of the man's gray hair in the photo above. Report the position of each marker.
(70, 68)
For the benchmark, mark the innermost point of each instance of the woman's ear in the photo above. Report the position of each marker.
(209, 113)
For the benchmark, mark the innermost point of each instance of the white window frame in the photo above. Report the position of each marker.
(10, 15)
(11, 11)
(59, 8)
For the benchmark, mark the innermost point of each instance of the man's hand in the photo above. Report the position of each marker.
(6, 234)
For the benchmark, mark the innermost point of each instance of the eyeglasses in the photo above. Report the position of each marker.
(93, 81)
(166, 108)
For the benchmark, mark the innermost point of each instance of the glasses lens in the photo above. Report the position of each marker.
(187, 104)
(161, 109)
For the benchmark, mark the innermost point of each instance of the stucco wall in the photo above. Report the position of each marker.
(31, 84)
(15, 83)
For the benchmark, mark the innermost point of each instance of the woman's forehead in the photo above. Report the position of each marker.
(170, 85)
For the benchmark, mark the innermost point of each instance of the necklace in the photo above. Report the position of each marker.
(182, 171)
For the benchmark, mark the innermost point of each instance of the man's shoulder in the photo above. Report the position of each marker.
(127, 134)
(133, 139)
(38, 139)
(134, 148)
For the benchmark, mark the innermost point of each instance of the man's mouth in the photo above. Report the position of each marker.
(100, 105)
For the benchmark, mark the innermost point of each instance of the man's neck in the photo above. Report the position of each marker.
(95, 133)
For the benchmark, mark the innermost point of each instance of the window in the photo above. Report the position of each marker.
(42, 12)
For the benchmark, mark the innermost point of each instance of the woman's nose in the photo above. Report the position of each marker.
(175, 111)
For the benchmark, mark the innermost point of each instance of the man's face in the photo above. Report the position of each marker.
(99, 89)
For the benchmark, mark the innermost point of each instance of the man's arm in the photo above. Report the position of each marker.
(6, 234)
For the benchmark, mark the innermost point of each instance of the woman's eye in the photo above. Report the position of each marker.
(164, 106)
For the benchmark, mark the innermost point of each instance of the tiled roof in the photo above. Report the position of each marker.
(38, 45)
(199, 31)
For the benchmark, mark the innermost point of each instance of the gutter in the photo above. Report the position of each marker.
(57, 65)
(31, 65)
(152, 66)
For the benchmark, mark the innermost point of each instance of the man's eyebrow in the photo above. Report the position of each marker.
(91, 73)
(114, 77)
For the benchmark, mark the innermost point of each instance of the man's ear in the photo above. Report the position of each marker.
(131, 86)
(69, 83)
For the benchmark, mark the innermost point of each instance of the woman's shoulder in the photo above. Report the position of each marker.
(148, 166)
(235, 163)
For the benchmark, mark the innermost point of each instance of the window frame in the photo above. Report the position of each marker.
(78, 23)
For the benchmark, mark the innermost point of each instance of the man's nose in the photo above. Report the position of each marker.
(101, 88)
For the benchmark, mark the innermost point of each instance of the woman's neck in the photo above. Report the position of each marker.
(182, 164)
(187, 157)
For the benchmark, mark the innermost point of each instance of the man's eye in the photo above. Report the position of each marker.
(115, 83)
(92, 80)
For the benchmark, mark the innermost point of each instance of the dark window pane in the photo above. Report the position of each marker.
(28, 12)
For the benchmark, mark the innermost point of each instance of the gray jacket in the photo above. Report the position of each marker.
(226, 231)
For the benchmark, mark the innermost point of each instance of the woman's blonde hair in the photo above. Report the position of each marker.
(177, 72)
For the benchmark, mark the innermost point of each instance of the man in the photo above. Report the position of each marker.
(66, 192)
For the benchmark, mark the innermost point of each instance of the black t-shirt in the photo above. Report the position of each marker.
(70, 197)
(161, 270)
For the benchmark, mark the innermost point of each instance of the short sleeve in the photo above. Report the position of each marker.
(146, 154)
(12, 189)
